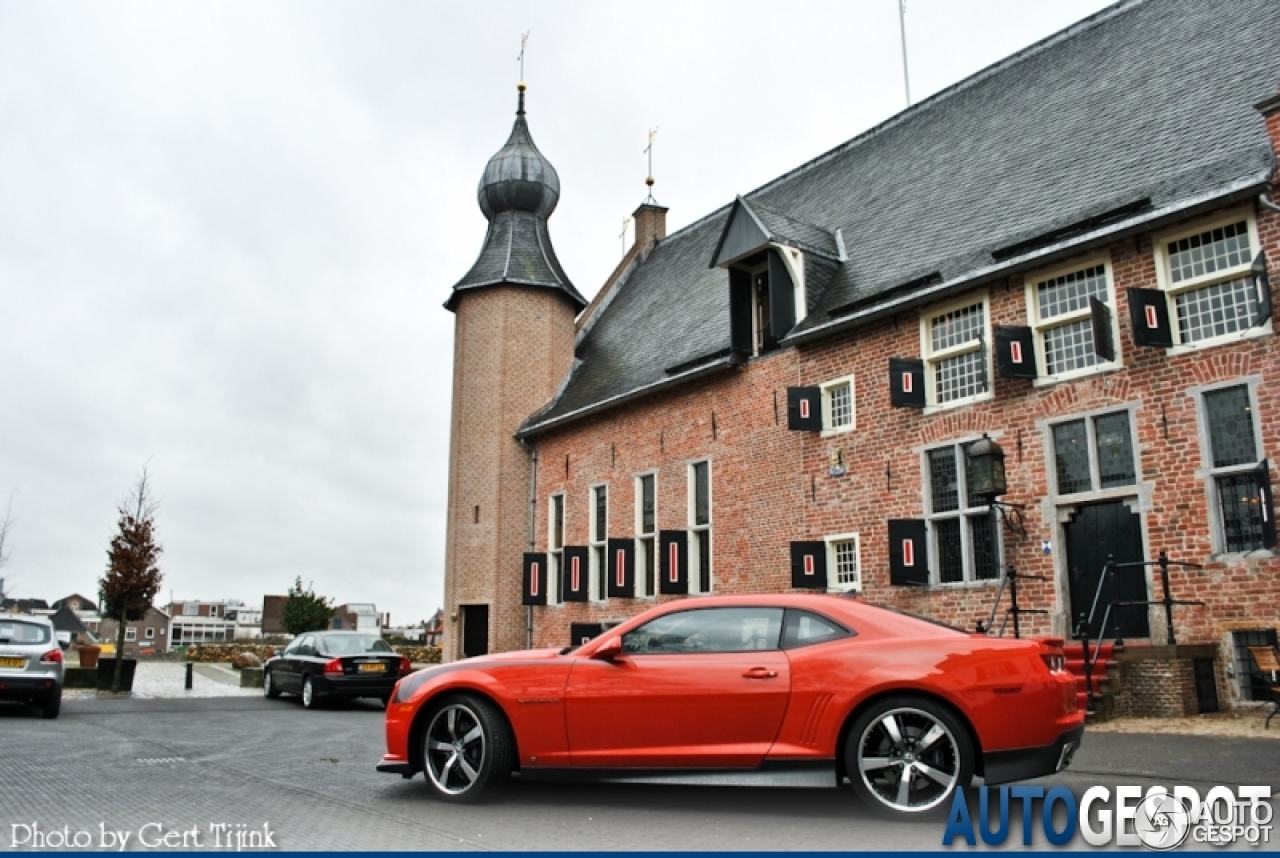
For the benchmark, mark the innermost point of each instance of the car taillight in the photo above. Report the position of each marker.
(333, 667)
(406, 666)
(1056, 661)
(53, 656)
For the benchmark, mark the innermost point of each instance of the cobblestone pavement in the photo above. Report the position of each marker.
(183, 764)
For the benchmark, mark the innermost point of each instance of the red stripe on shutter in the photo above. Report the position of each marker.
(673, 563)
(908, 552)
(1152, 321)
(621, 563)
(534, 582)
(804, 408)
(808, 564)
(1015, 351)
(575, 568)
(906, 382)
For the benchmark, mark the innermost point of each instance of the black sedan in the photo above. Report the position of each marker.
(319, 666)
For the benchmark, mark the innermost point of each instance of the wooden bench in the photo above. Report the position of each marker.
(1268, 663)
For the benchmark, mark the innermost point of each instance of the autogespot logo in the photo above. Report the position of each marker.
(1159, 819)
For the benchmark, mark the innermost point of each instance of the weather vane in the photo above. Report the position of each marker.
(524, 40)
(649, 180)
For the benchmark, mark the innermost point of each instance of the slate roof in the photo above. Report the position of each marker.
(1141, 111)
(517, 249)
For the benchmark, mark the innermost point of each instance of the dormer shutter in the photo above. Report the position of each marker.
(1015, 352)
(1100, 320)
(906, 382)
(1263, 283)
(1149, 313)
(535, 579)
(740, 333)
(804, 409)
(782, 297)
(673, 568)
(574, 579)
(908, 552)
(622, 568)
(809, 565)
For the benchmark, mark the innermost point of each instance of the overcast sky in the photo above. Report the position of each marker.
(227, 229)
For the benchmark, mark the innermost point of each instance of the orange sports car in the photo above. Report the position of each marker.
(906, 709)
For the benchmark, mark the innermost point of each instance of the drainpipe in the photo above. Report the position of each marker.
(1262, 198)
(533, 509)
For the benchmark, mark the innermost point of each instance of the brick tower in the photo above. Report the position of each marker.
(513, 346)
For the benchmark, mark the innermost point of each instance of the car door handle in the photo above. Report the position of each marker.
(760, 673)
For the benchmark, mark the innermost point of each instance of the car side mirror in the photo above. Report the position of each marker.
(609, 650)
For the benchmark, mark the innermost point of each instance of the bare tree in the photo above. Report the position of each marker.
(133, 575)
(5, 528)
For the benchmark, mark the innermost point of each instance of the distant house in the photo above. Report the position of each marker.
(248, 622)
(361, 617)
(435, 629)
(70, 627)
(85, 609)
(273, 615)
(24, 606)
(194, 622)
(147, 636)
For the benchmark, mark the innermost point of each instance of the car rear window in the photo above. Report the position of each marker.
(18, 632)
(353, 645)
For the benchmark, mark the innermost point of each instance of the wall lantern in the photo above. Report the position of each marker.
(986, 469)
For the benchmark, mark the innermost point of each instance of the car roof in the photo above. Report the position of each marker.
(27, 618)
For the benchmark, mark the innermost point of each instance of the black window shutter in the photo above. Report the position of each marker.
(804, 409)
(535, 579)
(782, 297)
(1015, 352)
(574, 578)
(740, 333)
(1100, 318)
(1262, 477)
(809, 565)
(580, 633)
(673, 578)
(1149, 313)
(908, 552)
(622, 568)
(906, 382)
(1263, 281)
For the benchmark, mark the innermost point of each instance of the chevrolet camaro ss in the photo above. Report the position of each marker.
(906, 709)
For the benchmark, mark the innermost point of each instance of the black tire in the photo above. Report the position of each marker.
(310, 699)
(467, 748)
(269, 689)
(51, 707)
(906, 756)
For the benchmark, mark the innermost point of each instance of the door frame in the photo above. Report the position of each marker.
(1062, 572)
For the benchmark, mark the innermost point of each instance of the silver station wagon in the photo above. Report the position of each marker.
(31, 668)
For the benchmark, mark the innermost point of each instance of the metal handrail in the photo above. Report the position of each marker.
(1010, 578)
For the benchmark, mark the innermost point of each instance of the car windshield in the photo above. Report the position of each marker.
(18, 632)
(353, 645)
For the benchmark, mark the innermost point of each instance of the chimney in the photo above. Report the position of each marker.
(651, 225)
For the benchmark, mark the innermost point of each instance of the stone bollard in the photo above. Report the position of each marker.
(251, 677)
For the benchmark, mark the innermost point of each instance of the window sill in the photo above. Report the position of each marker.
(959, 403)
(1115, 493)
(832, 433)
(1241, 556)
(1077, 375)
(1198, 345)
(966, 585)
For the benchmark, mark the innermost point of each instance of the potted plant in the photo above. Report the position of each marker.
(89, 652)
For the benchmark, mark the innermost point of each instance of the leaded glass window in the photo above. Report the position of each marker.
(839, 405)
(1208, 277)
(964, 537)
(1234, 454)
(845, 555)
(1094, 453)
(700, 527)
(957, 359)
(599, 542)
(1063, 321)
(646, 528)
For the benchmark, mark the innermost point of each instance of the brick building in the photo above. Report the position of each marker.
(147, 636)
(1065, 253)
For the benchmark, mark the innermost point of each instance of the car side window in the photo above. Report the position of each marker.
(707, 630)
(803, 628)
(306, 647)
(292, 648)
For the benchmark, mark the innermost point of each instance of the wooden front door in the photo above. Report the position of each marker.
(1096, 532)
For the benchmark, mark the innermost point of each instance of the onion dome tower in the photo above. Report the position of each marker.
(513, 346)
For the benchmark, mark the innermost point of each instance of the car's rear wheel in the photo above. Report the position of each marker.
(907, 755)
(269, 688)
(467, 748)
(51, 707)
(310, 700)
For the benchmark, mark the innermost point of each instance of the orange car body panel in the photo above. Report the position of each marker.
(725, 710)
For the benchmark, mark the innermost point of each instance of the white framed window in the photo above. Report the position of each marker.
(838, 413)
(1230, 433)
(1205, 272)
(1058, 307)
(130, 634)
(1093, 453)
(700, 568)
(844, 563)
(963, 534)
(598, 578)
(190, 609)
(555, 546)
(956, 360)
(646, 534)
(150, 633)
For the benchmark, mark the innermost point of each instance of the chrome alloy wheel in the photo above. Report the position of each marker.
(908, 760)
(456, 745)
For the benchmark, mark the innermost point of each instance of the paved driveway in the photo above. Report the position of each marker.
(176, 764)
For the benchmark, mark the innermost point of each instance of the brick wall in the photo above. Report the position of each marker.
(1156, 688)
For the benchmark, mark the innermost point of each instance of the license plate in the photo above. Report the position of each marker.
(373, 667)
(7, 661)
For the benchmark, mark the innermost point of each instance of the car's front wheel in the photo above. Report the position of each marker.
(467, 748)
(51, 707)
(269, 688)
(907, 755)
